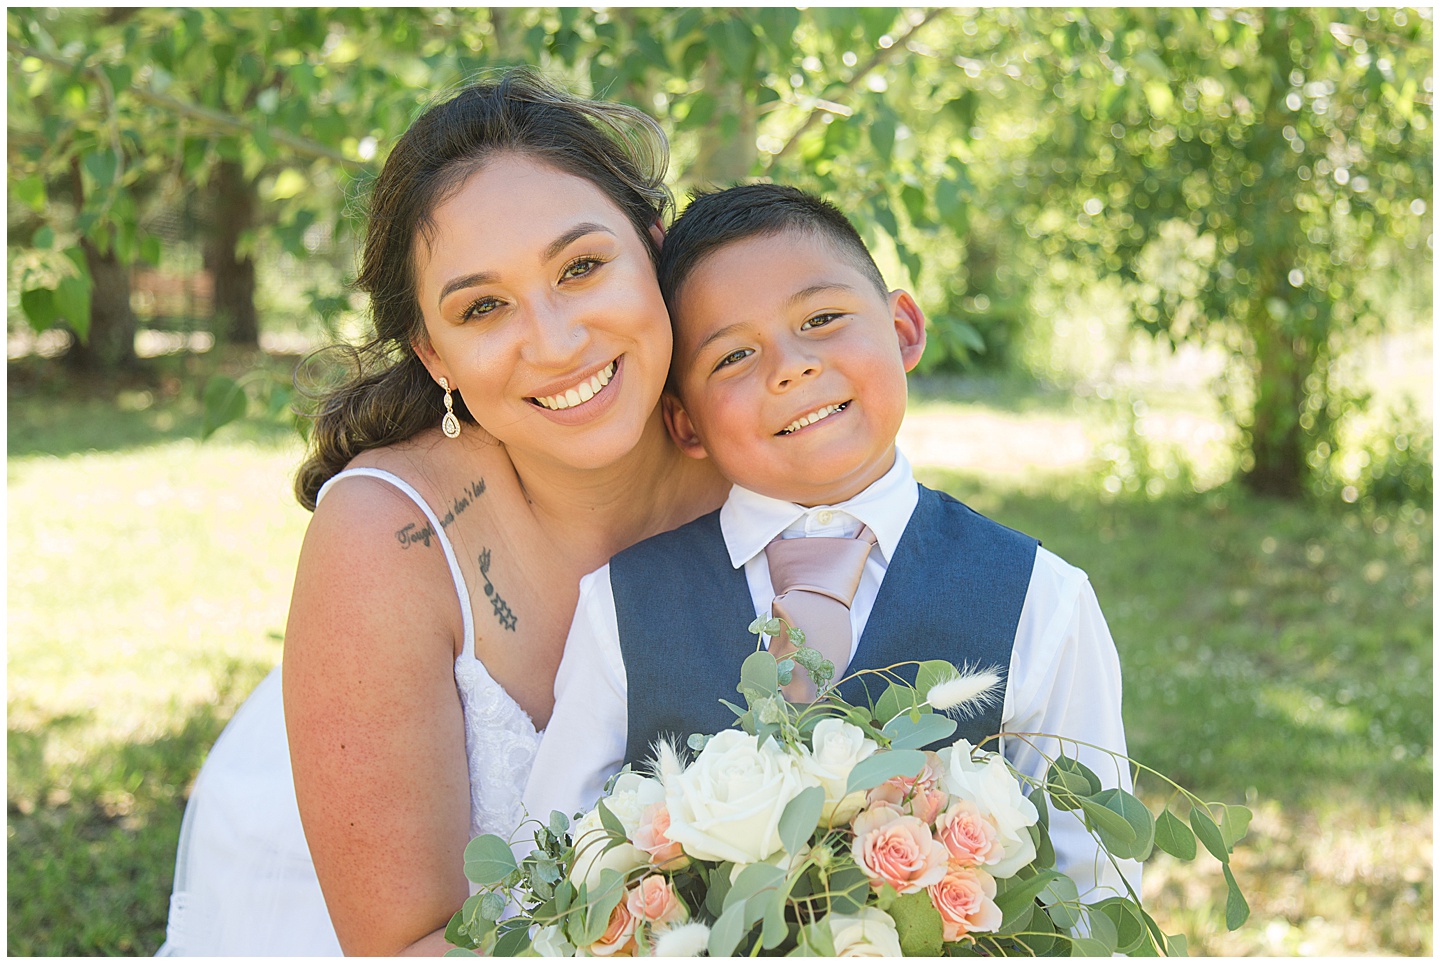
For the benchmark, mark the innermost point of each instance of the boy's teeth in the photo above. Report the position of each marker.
(582, 393)
(812, 418)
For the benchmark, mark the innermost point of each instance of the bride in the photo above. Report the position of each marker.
(504, 440)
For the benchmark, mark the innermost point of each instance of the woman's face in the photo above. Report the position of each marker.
(543, 312)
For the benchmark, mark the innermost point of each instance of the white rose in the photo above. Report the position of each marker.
(870, 932)
(838, 746)
(727, 804)
(590, 840)
(629, 798)
(550, 942)
(989, 784)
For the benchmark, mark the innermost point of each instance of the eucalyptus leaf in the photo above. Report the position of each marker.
(1234, 824)
(758, 675)
(1017, 900)
(1114, 829)
(726, 932)
(1062, 901)
(1103, 929)
(1209, 834)
(879, 767)
(1173, 837)
(514, 940)
(609, 821)
(774, 930)
(1137, 815)
(1125, 917)
(897, 698)
(908, 734)
(1088, 947)
(488, 860)
(751, 881)
(800, 817)
(849, 887)
(1237, 911)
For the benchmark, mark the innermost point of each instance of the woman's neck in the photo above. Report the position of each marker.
(653, 488)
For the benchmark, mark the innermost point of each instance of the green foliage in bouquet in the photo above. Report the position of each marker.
(827, 829)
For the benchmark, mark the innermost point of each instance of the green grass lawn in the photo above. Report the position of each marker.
(1274, 654)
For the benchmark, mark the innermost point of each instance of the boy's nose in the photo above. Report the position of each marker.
(792, 367)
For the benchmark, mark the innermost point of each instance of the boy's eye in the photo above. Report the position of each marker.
(730, 359)
(580, 267)
(479, 308)
(820, 320)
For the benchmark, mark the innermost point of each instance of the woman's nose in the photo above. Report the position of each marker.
(557, 334)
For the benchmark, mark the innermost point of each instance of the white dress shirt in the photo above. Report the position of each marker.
(1064, 673)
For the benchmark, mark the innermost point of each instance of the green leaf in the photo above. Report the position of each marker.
(1124, 917)
(30, 191)
(102, 166)
(882, 135)
(559, 823)
(1018, 898)
(513, 940)
(751, 881)
(1176, 945)
(1137, 815)
(488, 859)
(597, 906)
(726, 932)
(1114, 829)
(1088, 947)
(1237, 911)
(1069, 779)
(849, 887)
(1103, 929)
(897, 698)
(39, 306)
(919, 925)
(1173, 837)
(908, 734)
(1062, 900)
(609, 821)
(800, 817)
(492, 905)
(758, 676)
(719, 888)
(1209, 834)
(879, 767)
(224, 401)
(1234, 824)
(774, 930)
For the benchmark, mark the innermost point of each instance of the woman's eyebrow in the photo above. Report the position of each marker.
(551, 250)
(578, 231)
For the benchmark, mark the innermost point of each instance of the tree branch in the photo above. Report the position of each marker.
(880, 56)
(213, 118)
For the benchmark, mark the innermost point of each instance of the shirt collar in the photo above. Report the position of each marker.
(749, 520)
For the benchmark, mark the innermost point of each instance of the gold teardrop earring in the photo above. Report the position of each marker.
(450, 425)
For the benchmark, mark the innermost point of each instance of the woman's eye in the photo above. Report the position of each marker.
(819, 321)
(730, 359)
(479, 308)
(580, 267)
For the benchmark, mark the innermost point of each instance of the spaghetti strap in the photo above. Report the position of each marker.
(466, 615)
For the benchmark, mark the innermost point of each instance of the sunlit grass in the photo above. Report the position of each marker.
(1274, 654)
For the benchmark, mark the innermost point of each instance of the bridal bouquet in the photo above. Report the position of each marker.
(828, 830)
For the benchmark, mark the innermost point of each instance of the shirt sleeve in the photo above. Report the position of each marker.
(1065, 682)
(584, 743)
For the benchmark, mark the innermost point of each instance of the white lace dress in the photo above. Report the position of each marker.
(244, 881)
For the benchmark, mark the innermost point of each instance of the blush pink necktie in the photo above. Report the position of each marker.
(815, 579)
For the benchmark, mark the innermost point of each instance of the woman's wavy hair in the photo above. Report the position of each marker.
(387, 396)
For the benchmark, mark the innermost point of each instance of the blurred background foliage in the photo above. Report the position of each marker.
(1254, 181)
(1177, 263)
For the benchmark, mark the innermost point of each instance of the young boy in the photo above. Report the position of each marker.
(789, 371)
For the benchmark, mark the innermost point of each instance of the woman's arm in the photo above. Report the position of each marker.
(376, 730)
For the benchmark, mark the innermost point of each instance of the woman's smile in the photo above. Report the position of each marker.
(586, 399)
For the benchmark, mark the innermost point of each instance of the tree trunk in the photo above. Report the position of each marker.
(1277, 439)
(233, 211)
(110, 343)
(723, 160)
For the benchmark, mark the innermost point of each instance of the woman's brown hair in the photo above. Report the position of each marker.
(389, 396)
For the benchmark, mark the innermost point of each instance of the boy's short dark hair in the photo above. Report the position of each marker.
(718, 218)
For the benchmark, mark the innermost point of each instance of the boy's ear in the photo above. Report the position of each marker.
(909, 327)
(426, 353)
(678, 423)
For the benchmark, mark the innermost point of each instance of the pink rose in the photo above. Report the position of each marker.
(619, 937)
(970, 838)
(922, 795)
(899, 850)
(965, 898)
(652, 838)
(653, 900)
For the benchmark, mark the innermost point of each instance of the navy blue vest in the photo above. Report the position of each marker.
(953, 591)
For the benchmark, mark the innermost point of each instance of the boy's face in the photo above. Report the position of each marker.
(790, 368)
